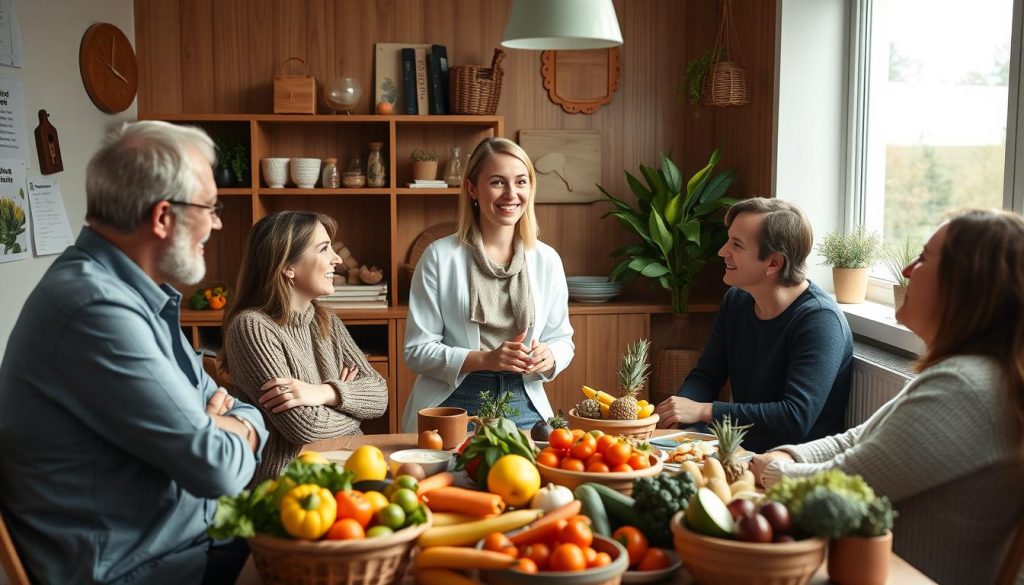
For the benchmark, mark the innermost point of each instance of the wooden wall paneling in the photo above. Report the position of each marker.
(158, 49)
(395, 263)
(224, 249)
(230, 77)
(260, 149)
(197, 69)
(415, 214)
(404, 377)
(380, 425)
(261, 56)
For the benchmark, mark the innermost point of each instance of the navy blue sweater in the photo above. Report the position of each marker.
(790, 375)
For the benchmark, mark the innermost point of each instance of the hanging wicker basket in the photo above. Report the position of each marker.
(476, 89)
(726, 83)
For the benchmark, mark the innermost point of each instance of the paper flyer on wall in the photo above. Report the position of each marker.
(13, 138)
(51, 231)
(10, 36)
(13, 211)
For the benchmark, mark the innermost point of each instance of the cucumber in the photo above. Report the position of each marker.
(620, 507)
(371, 485)
(593, 508)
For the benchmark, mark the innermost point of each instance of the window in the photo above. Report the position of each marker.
(930, 131)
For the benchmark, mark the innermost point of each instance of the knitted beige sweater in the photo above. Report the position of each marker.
(259, 349)
(947, 453)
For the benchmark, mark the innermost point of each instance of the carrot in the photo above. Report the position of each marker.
(438, 480)
(455, 499)
(546, 532)
(443, 577)
(458, 557)
(564, 512)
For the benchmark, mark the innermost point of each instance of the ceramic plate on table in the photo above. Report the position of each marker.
(670, 441)
(339, 457)
(655, 576)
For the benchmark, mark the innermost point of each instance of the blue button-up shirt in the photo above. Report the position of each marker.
(109, 464)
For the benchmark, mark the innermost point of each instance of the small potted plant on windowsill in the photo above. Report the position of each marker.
(850, 256)
(896, 259)
(424, 165)
(232, 168)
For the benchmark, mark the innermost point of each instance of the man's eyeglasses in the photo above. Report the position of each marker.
(217, 208)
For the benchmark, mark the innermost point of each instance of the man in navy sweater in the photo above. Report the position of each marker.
(778, 338)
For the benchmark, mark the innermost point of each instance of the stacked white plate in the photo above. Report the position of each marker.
(592, 289)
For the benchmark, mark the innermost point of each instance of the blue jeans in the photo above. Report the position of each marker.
(467, 395)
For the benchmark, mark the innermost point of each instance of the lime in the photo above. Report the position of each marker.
(379, 530)
(408, 482)
(406, 499)
(392, 516)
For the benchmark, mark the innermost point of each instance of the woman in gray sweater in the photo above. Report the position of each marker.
(284, 352)
(948, 449)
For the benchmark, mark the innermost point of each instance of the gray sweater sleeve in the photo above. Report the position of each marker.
(256, 354)
(934, 432)
(365, 397)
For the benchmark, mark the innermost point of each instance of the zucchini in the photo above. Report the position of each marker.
(620, 507)
(593, 508)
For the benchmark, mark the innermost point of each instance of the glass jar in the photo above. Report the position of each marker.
(354, 175)
(375, 166)
(453, 169)
(329, 177)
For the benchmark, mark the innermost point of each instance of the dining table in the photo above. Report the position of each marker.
(900, 571)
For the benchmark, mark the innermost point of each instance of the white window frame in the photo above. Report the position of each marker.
(874, 319)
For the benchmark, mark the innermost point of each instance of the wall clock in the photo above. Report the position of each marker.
(109, 70)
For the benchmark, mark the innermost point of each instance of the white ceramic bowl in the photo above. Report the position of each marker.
(305, 172)
(431, 460)
(275, 172)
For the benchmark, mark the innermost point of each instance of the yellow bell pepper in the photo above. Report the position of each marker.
(308, 511)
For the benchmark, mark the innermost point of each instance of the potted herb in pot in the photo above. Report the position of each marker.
(424, 165)
(896, 259)
(232, 164)
(850, 256)
(863, 557)
(678, 224)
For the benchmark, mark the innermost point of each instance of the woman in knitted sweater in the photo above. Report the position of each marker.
(288, 355)
(948, 449)
(489, 305)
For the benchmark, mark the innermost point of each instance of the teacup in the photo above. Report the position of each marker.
(450, 422)
(275, 172)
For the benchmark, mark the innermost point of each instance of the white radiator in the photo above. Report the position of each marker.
(873, 385)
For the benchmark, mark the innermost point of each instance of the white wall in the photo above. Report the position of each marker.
(810, 117)
(51, 32)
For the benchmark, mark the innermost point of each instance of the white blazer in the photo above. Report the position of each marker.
(439, 334)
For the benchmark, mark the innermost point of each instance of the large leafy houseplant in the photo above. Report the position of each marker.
(677, 223)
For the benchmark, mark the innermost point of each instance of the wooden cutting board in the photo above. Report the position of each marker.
(568, 164)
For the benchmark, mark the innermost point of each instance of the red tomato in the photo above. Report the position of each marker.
(654, 559)
(345, 529)
(548, 458)
(560, 439)
(571, 464)
(578, 533)
(634, 541)
(618, 454)
(497, 542)
(526, 565)
(538, 552)
(567, 557)
(351, 504)
(597, 467)
(584, 447)
(604, 442)
(639, 460)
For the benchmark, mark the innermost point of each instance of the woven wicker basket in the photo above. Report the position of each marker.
(373, 561)
(641, 428)
(476, 89)
(671, 366)
(726, 85)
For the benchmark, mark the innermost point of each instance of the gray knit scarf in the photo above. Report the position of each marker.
(485, 292)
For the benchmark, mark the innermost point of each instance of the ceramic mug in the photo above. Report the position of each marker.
(450, 422)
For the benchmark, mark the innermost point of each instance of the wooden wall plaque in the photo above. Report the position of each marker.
(581, 81)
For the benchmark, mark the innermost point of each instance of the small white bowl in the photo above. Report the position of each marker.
(305, 171)
(275, 172)
(432, 461)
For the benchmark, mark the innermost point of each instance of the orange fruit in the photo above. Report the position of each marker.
(567, 557)
(385, 108)
(526, 565)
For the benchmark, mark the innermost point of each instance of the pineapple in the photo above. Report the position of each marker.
(730, 435)
(632, 376)
(589, 408)
(558, 421)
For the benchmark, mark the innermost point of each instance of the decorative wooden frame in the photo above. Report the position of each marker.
(563, 95)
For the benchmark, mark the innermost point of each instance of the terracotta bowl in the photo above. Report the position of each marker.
(620, 482)
(642, 428)
(716, 561)
(610, 574)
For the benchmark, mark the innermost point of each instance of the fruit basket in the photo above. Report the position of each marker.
(716, 561)
(619, 481)
(374, 561)
(641, 428)
(610, 574)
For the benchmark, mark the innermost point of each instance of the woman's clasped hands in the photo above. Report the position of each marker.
(280, 394)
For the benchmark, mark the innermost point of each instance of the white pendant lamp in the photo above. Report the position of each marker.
(561, 25)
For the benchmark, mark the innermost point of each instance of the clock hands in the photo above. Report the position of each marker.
(116, 72)
(113, 45)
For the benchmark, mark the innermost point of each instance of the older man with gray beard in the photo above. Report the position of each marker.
(116, 442)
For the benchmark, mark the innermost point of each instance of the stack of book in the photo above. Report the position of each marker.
(357, 296)
(425, 184)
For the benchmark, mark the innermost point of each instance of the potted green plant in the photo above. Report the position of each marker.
(232, 163)
(691, 88)
(678, 225)
(897, 258)
(850, 256)
(424, 165)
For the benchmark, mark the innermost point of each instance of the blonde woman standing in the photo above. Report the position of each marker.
(488, 307)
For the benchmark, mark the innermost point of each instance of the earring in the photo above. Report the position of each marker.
(476, 203)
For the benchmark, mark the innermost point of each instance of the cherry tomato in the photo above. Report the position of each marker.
(345, 529)
(538, 552)
(602, 559)
(567, 557)
(584, 447)
(526, 565)
(560, 439)
(571, 464)
(578, 533)
(604, 442)
(634, 541)
(352, 504)
(654, 559)
(549, 459)
(622, 468)
(597, 467)
(639, 460)
(618, 454)
(497, 542)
